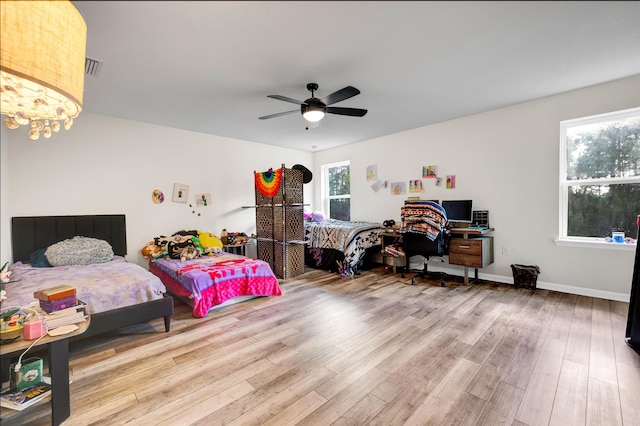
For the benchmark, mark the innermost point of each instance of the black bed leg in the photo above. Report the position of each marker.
(167, 323)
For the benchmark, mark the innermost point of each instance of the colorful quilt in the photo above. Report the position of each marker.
(339, 245)
(208, 281)
(423, 217)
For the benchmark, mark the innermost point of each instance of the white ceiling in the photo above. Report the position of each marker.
(209, 66)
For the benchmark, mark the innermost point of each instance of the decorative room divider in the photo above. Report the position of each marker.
(279, 220)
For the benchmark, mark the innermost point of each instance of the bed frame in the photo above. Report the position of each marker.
(31, 233)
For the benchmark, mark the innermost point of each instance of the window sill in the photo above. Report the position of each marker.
(593, 243)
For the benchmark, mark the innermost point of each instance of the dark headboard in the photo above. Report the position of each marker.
(29, 234)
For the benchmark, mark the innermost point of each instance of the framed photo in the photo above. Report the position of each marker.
(180, 193)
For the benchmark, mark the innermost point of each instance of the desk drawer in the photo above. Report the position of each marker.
(474, 252)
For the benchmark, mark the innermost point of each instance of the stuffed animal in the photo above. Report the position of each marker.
(189, 252)
(209, 243)
(152, 250)
(181, 236)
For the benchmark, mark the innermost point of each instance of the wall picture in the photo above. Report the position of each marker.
(157, 196)
(203, 200)
(429, 171)
(372, 172)
(398, 188)
(451, 181)
(416, 185)
(180, 193)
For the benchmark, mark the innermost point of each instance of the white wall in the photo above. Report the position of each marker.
(105, 165)
(506, 160)
(5, 212)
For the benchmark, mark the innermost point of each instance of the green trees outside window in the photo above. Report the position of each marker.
(601, 176)
(338, 191)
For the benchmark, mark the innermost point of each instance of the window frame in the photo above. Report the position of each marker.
(564, 184)
(324, 187)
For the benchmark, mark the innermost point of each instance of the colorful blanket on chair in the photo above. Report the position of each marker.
(423, 217)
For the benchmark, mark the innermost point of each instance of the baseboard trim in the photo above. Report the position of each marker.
(562, 288)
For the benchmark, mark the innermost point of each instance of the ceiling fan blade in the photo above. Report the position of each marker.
(354, 112)
(280, 114)
(340, 95)
(284, 98)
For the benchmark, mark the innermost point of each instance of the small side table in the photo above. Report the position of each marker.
(235, 248)
(58, 348)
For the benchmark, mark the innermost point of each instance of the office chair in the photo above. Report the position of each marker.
(415, 244)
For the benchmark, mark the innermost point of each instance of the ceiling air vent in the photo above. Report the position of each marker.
(92, 67)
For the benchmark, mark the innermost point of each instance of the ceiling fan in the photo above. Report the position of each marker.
(314, 109)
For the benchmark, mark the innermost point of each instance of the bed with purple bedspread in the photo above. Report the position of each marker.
(102, 286)
(208, 281)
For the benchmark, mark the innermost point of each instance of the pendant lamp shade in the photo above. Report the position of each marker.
(42, 57)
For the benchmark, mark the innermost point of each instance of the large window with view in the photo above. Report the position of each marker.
(600, 176)
(336, 190)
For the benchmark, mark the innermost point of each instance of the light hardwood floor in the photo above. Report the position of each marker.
(369, 350)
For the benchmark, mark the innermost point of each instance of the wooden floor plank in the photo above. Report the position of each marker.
(603, 404)
(537, 401)
(601, 350)
(570, 403)
(629, 390)
(502, 406)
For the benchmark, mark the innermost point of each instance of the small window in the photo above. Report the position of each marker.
(336, 190)
(600, 175)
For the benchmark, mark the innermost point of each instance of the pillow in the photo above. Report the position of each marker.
(79, 251)
(317, 216)
(38, 259)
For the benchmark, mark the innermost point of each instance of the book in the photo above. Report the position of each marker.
(55, 293)
(66, 320)
(21, 399)
(55, 319)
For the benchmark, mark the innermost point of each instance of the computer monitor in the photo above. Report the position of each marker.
(458, 210)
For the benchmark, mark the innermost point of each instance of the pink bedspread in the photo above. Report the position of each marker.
(211, 280)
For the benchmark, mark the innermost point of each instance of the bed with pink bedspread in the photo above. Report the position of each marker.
(208, 281)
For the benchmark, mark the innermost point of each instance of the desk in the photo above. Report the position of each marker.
(58, 348)
(476, 252)
(474, 249)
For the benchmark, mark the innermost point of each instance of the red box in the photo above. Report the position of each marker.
(56, 305)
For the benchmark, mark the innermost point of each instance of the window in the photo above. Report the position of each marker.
(600, 176)
(336, 192)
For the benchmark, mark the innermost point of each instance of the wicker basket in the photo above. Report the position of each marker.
(525, 276)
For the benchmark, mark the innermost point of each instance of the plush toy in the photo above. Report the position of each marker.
(162, 241)
(209, 243)
(152, 250)
(181, 236)
(189, 252)
(174, 249)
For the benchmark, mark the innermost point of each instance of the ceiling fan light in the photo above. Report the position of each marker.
(313, 115)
